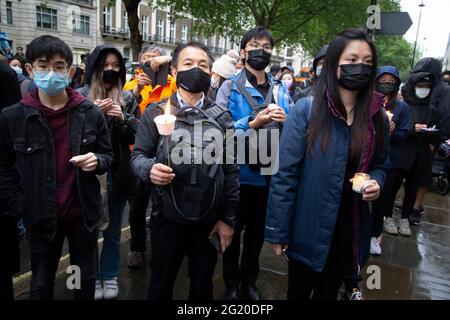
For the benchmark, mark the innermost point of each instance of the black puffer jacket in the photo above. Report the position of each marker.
(125, 184)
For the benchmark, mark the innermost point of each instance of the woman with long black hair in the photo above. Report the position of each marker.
(313, 213)
(105, 77)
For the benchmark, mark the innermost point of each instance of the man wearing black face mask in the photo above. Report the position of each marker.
(179, 189)
(245, 94)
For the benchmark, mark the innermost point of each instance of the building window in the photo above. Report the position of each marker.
(289, 52)
(222, 43)
(81, 24)
(46, 18)
(160, 30)
(107, 18)
(144, 26)
(172, 32)
(125, 22)
(126, 53)
(9, 15)
(184, 33)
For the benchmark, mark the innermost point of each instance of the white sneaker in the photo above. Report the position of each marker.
(110, 289)
(404, 229)
(390, 227)
(98, 290)
(375, 248)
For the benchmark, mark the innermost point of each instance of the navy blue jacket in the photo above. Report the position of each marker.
(403, 129)
(401, 118)
(305, 194)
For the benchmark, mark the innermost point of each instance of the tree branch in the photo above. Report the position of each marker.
(287, 33)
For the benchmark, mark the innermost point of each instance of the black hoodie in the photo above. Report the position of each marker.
(440, 96)
(93, 62)
(417, 145)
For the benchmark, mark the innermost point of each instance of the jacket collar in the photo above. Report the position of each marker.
(375, 105)
(31, 103)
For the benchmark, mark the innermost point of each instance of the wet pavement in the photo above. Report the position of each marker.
(411, 268)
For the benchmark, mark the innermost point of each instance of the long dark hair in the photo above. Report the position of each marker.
(328, 85)
(97, 90)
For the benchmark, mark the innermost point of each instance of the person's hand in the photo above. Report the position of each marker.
(372, 191)
(391, 126)
(87, 162)
(116, 112)
(432, 148)
(161, 175)
(143, 80)
(225, 233)
(104, 104)
(157, 62)
(261, 119)
(419, 127)
(278, 248)
(277, 113)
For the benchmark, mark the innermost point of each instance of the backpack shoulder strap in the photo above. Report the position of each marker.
(215, 111)
(240, 84)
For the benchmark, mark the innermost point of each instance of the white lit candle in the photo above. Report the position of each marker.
(390, 115)
(166, 122)
(360, 182)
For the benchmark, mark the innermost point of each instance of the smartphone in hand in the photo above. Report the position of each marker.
(215, 242)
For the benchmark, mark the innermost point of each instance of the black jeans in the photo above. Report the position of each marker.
(251, 216)
(170, 242)
(394, 183)
(137, 216)
(6, 286)
(45, 258)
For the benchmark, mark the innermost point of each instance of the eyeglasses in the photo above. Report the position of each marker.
(59, 69)
(257, 46)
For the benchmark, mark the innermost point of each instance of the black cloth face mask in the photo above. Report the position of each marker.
(258, 59)
(355, 77)
(111, 76)
(387, 88)
(194, 80)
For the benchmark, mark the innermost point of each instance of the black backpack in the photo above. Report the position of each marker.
(254, 139)
(195, 195)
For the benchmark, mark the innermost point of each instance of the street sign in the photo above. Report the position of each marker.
(394, 23)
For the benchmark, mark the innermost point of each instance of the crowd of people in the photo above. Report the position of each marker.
(79, 143)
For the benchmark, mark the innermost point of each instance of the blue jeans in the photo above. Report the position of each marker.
(107, 263)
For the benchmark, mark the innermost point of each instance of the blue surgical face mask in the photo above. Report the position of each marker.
(51, 83)
(18, 70)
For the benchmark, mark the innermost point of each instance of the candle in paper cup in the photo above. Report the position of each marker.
(360, 182)
(390, 115)
(166, 122)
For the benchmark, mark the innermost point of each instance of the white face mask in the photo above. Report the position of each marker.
(214, 84)
(422, 93)
(318, 71)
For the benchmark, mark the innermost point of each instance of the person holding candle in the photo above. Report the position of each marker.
(172, 234)
(313, 213)
(244, 95)
(105, 76)
(413, 156)
(388, 84)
